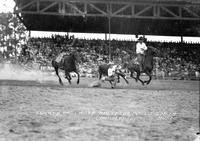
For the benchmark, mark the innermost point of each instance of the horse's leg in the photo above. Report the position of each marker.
(133, 76)
(150, 77)
(120, 73)
(138, 78)
(60, 80)
(118, 79)
(100, 75)
(123, 76)
(68, 77)
(78, 77)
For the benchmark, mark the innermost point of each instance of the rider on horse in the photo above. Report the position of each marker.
(140, 51)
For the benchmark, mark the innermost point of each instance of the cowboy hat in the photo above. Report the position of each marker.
(141, 39)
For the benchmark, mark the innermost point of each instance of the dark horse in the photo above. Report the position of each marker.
(103, 70)
(132, 66)
(68, 64)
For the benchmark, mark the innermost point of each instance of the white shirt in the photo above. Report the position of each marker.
(140, 48)
(111, 71)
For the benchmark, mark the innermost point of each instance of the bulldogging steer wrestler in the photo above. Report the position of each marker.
(112, 75)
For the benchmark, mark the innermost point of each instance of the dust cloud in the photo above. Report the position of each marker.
(9, 71)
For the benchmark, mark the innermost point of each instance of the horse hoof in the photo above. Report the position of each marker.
(78, 82)
(61, 83)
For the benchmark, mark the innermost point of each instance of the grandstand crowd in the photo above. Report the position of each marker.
(182, 59)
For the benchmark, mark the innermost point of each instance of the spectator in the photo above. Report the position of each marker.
(182, 58)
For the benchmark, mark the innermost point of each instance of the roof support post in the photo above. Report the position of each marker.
(160, 10)
(109, 28)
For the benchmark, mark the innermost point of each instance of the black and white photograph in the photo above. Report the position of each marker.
(99, 70)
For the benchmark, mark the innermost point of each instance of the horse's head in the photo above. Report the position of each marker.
(152, 51)
(76, 56)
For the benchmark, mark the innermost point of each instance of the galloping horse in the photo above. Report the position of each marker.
(68, 64)
(132, 66)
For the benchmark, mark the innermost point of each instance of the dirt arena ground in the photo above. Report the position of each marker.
(34, 107)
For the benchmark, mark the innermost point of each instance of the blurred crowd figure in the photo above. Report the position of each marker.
(176, 57)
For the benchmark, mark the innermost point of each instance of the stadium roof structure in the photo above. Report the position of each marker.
(148, 17)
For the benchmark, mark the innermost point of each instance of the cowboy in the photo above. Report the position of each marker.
(112, 74)
(112, 70)
(140, 50)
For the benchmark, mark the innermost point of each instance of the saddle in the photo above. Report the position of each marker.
(60, 58)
